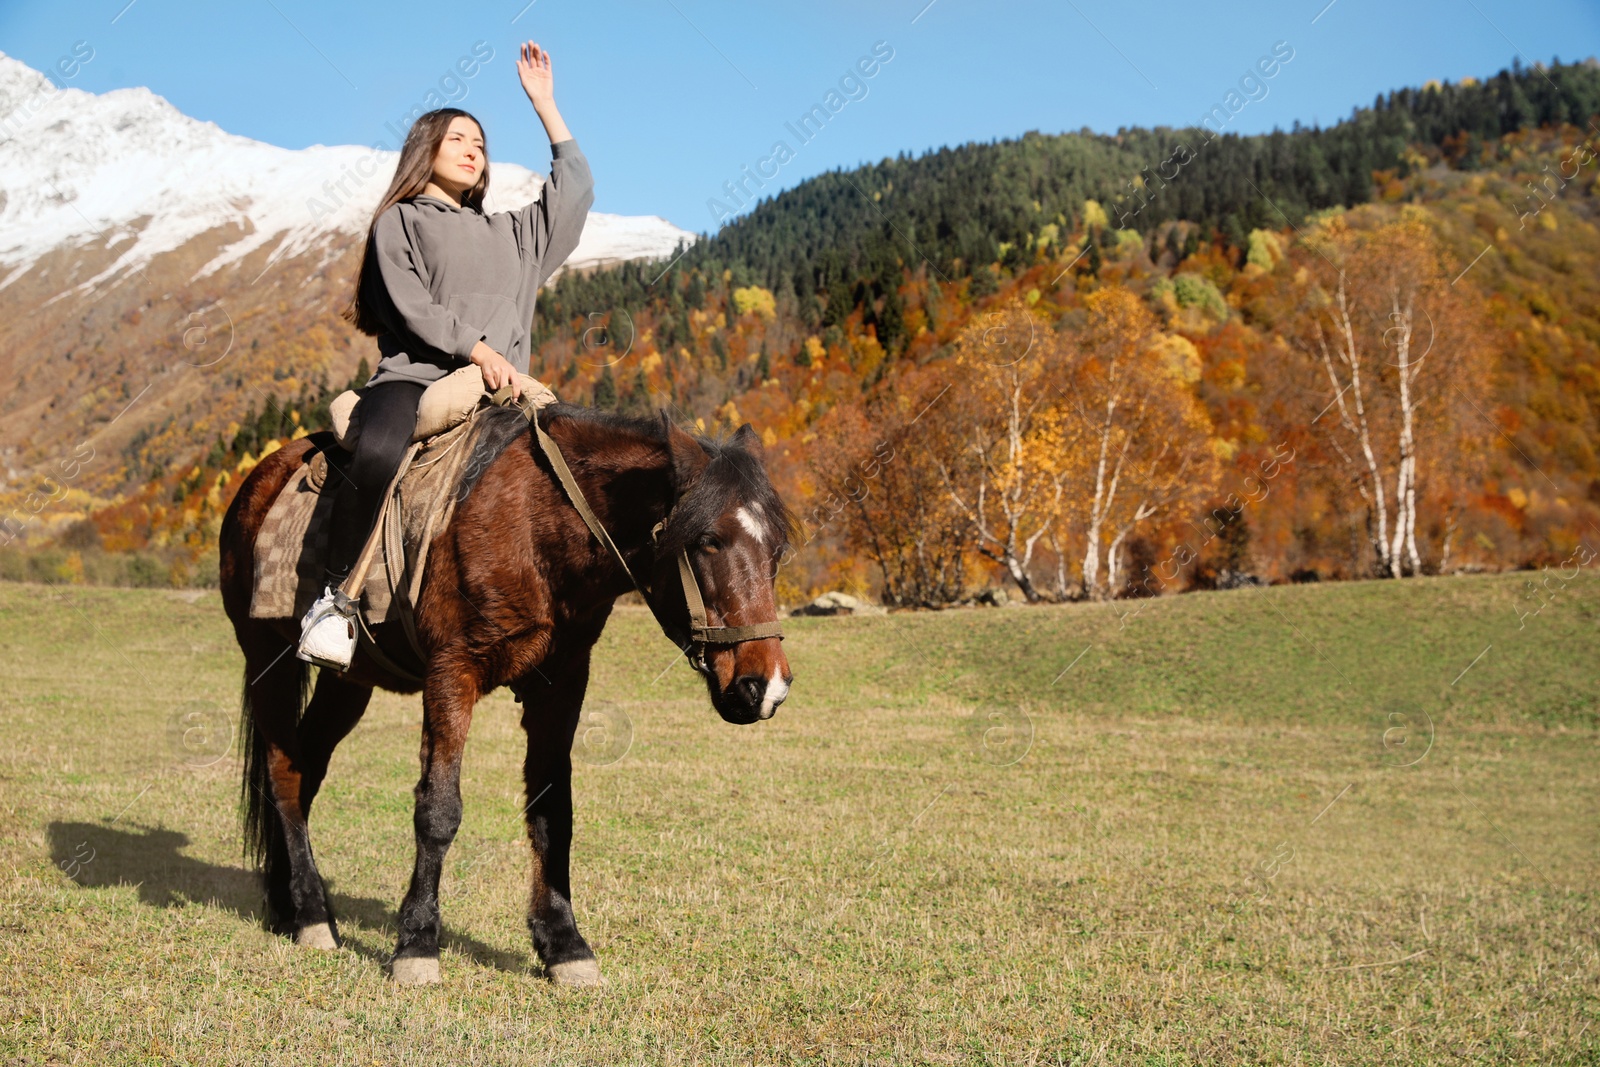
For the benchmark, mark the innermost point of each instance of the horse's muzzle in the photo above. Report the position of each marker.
(753, 698)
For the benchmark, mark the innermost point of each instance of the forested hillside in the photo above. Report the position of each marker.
(1106, 366)
(844, 236)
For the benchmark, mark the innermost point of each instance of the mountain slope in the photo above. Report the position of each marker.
(963, 207)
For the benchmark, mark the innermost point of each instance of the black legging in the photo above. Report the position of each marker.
(387, 415)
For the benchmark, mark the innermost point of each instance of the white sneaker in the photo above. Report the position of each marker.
(328, 631)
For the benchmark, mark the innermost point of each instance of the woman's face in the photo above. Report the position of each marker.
(459, 162)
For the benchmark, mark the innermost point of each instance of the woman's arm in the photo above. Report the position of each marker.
(533, 67)
(552, 225)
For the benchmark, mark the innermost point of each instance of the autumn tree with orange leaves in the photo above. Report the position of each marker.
(1007, 414)
(877, 466)
(1137, 441)
(1400, 354)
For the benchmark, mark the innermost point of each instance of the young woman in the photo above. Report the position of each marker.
(442, 284)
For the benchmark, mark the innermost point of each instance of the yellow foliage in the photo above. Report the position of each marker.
(1266, 251)
(1224, 449)
(869, 353)
(754, 298)
(1117, 312)
(1180, 357)
(814, 348)
(1094, 214)
(1129, 244)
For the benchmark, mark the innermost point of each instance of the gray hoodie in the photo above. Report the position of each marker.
(449, 276)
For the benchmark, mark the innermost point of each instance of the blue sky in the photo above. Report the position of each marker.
(671, 98)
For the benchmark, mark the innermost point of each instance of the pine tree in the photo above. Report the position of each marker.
(605, 391)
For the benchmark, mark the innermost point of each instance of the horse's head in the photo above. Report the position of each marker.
(732, 528)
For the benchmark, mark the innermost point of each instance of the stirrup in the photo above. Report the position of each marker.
(328, 631)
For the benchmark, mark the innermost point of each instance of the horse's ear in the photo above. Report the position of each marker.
(688, 458)
(747, 438)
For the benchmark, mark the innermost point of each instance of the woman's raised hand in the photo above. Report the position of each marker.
(497, 370)
(533, 67)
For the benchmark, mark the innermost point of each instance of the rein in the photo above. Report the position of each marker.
(701, 632)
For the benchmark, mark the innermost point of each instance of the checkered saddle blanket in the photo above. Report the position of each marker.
(293, 540)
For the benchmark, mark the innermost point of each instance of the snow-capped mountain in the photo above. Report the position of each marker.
(128, 168)
(161, 278)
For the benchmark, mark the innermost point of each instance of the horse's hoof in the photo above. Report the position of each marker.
(576, 973)
(415, 970)
(317, 935)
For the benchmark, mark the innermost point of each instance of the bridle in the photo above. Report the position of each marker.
(701, 632)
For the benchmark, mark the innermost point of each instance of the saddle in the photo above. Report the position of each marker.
(292, 544)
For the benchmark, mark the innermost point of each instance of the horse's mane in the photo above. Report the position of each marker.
(734, 476)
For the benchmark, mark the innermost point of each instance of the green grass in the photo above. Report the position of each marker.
(1205, 854)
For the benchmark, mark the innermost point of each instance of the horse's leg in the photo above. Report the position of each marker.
(336, 705)
(273, 691)
(550, 717)
(286, 758)
(447, 701)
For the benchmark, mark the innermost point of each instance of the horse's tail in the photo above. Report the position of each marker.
(265, 846)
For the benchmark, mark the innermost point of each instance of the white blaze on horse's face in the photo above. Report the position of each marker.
(752, 677)
(748, 521)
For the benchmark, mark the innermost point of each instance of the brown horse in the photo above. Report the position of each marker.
(516, 593)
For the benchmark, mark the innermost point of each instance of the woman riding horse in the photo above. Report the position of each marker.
(555, 520)
(441, 284)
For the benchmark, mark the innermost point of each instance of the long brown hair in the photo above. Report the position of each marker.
(411, 176)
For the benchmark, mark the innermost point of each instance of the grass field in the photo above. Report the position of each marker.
(1341, 824)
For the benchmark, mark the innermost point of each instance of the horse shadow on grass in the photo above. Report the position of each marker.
(95, 855)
